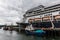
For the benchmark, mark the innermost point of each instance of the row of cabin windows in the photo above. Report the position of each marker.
(45, 11)
(46, 24)
(42, 24)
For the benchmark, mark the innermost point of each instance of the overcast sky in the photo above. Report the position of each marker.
(11, 11)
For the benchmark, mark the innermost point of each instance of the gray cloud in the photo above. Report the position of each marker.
(27, 4)
(12, 11)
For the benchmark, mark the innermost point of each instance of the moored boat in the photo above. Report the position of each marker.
(31, 31)
(35, 32)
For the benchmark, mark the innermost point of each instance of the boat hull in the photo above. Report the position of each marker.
(40, 33)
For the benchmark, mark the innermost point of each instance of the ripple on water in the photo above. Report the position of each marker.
(8, 35)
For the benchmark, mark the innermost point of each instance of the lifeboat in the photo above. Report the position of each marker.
(57, 21)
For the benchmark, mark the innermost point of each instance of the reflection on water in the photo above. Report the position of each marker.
(8, 35)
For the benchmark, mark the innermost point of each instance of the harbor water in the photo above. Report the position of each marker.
(13, 35)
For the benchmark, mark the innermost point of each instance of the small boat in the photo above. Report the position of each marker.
(35, 32)
(5, 28)
(31, 31)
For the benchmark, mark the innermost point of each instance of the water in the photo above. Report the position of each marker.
(8, 35)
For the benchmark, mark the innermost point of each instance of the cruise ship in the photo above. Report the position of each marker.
(41, 16)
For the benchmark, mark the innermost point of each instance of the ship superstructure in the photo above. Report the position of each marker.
(44, 14)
